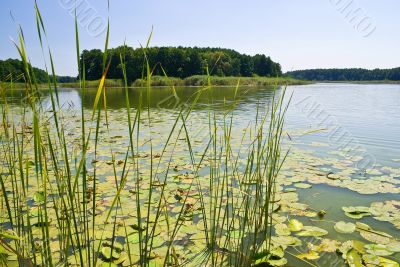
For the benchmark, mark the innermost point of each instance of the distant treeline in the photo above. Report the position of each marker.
(346, 74)
(180, 62)
(13, 70)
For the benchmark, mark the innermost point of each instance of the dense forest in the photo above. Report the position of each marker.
(346, 74)
(12, 70)
(184, 62)
(180, 62)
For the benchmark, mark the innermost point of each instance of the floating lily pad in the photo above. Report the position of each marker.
(354, 258)
(378, 250)
(371, 235)
(282, 229)
(133, 238)
(123, 257)
(295, 225)
(356, 212)
(39, 197)
(303, 185)
(279, 262)
(116, 245)
(286, 240)
(345, 228)
(394, 246)
(274, 258)
(106, 252)
(327, 245)
(312, 231)
(371, 259)
(332, 176)
(387, 263)
(290, 189)
(311, 255)
(375, 237)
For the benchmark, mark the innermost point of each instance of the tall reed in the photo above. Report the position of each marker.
(53, 211)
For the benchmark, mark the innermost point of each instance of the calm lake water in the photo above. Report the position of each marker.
(363, 116)
(351, 129)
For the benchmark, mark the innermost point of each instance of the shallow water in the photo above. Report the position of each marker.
(347, 129)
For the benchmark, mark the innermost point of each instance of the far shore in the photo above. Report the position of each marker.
(193, 81)
(199, 81)
(361, 82)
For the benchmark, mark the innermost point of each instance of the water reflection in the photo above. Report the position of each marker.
(159, 97)
(370, 113)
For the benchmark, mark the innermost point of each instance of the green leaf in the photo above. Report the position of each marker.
(356, 212)
(387, 263)
(39, 197)
(9, 235)
(282, 229)
(286, 240)
(311, 255)
(378, 250)
(354, 259)
(106, 251)
(100, 89)
(345, 228)
(295, 225)
(302, 185)
(312, 231)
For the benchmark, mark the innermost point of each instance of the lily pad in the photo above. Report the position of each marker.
(311, 255)
(282, 229)
(345, 228)
(327, 245)
(303, 185)
(387, 263)
(279, 262)
(106, 251)
(394, 246)
(354, 259)
(39, 197)
(286, 240)
(371, 259)
(295, 225)
(273, 258)
(356, 212)
(373, 236)
(312, 231)
(378, 250)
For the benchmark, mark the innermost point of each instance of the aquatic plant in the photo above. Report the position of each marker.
(77, 191)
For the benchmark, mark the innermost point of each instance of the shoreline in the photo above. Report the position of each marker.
(193, 81)
(255, 82)
(197, 82)
(361, 82)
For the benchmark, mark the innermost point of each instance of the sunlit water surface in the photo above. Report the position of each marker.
(332, 125)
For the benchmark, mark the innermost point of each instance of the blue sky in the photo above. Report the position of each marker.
(297, 34)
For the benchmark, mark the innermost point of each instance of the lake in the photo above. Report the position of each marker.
(342, 140)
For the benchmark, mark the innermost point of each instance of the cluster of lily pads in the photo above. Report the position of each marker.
(95, 212)
(300, 233)
(299, 173)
